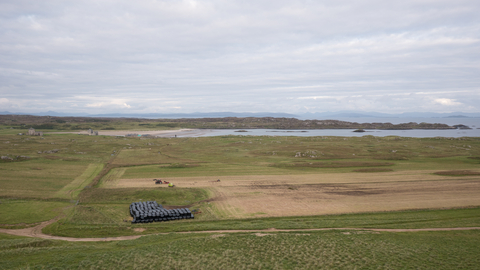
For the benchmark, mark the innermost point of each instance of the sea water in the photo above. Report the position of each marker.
(473, 123)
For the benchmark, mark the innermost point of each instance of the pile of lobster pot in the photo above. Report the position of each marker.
(151, 211)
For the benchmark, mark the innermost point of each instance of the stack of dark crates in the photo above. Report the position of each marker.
(151, 211)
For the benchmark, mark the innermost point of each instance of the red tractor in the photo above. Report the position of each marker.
(159, 181)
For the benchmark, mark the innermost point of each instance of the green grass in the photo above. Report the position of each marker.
(312, 250)
(72, 190)
(67, 173)
(44, 179)
(37, 178)
(73, 226)
(44, 174)
(21, 213)
(457, 173)
(176, 196)
(240, 155)
(370, 170)
(264, 167)
(103, 212)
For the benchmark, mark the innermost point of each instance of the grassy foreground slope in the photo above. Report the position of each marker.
(311, 250)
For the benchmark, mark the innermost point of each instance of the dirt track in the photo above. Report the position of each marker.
(37, 232)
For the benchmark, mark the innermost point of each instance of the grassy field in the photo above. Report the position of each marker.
(309, 250)
(65, 166)
(19, 213)
(73, 189)
(328, 177)
(56, 165)
(291, 176)
(76, 226)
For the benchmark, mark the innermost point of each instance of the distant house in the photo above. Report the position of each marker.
(32, 132)
(92, 132)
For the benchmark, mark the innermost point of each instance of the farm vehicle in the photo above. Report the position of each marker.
(159, 181)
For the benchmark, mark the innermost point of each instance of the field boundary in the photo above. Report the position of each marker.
(72, 190)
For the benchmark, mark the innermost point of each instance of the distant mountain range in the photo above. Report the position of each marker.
(164, 115)
(317, 115)
(356, 114)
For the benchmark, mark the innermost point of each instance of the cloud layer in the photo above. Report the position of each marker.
(278, 56)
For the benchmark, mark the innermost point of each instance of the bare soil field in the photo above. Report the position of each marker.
(319, 194)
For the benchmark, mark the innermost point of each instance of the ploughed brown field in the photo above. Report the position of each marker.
(327, 193)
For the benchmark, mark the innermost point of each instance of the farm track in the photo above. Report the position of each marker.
(37, 232)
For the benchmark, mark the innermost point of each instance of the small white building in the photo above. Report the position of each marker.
(32, 132)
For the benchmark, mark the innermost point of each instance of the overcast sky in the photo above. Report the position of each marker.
(241, 56)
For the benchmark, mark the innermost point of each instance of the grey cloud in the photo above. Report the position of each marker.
(224, 55)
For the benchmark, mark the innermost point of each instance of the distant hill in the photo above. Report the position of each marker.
(457, 116)
(197, 115)
(351, 115)
(358, 114)
(112, 123)
(160, 115)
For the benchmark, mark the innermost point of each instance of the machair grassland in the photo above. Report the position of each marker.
(266, 182)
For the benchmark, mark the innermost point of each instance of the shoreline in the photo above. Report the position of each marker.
(187, 132)
(156, 133)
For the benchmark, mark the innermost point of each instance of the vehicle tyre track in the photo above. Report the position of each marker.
(37, 232)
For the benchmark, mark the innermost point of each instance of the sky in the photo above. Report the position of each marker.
(175, 56)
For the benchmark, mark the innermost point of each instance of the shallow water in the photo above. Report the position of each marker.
(416, 133)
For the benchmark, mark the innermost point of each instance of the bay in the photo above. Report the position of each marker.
(473, 123)
(415, 133)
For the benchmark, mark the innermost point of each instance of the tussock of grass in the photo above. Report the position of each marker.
(14, 243)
